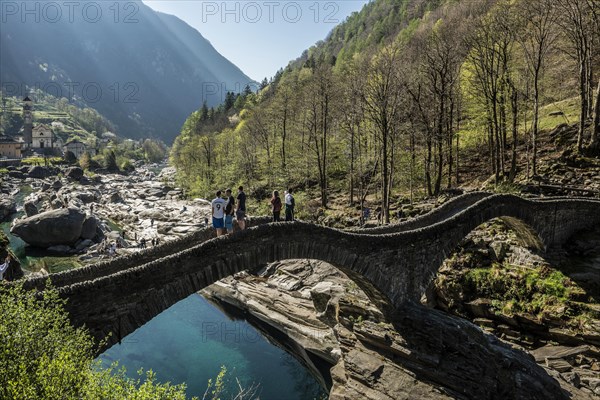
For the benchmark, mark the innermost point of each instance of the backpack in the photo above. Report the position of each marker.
(230, 206)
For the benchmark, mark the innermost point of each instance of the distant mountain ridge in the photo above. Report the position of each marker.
(144, 70)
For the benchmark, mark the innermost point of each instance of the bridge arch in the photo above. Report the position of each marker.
(119, 303)
(399, 264)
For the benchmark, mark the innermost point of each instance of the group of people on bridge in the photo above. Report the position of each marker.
(225, 209)
(276, 205)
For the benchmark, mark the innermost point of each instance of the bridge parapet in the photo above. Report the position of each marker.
(120, 263)
(399, 266)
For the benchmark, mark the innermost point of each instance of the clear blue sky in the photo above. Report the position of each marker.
(260, 36)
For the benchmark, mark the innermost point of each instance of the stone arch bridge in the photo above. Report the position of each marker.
(396, 261)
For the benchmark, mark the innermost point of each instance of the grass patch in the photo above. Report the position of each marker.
(568, 107)
(40, 160)
(516, 289)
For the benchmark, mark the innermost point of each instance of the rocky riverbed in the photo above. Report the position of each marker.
(529, 348)
(72, 214)
(420, 352)
(547, 303)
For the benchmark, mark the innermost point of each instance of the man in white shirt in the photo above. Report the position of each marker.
(289, 205)
(218, 213)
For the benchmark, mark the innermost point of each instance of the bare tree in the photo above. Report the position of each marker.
(442, 59)
(352, 121)
(490, 62)
(319, 98)
(382, 102)
(537, 36)
(576, 21)
(594, 7)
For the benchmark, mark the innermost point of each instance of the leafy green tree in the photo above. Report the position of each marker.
(263, 84)
(247, 91)
(154, 151)
(110, 160)
(204, 111)
(229, 100)
(43, 357)
(240, 102)
(84, 161)
(70, 157)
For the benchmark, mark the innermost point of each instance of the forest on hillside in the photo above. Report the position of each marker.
(389, 101)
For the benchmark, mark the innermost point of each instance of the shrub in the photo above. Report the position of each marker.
(43, 357)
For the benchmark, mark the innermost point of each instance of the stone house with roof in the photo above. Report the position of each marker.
(9, 147)
(76, 147)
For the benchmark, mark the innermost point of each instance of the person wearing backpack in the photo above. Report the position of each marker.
(229, 211)
(290, 203)
(276, 206)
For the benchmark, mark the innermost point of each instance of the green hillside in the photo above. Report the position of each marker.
(146, 77)
(390, 103)
(71, 121)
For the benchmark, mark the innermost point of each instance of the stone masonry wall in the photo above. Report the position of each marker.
(119, 296)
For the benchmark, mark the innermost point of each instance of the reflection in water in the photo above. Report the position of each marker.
(33, 259)
(191, 340)
(16, 244)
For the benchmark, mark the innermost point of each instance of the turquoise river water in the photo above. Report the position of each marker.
(191, 340)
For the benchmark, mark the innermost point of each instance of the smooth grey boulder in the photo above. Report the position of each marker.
(50, 228)
(75, 173)
(16, 174)
(60, 249)
(7, 207)
(115, 197)
(85, 197)
(88, 230)
(30, 209)
(38, 172)
(83, 244)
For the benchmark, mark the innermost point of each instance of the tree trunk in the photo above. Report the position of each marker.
(449, 142)
(457, 160)
(496, 134)
(352, 165)
(428, 167)
(515, 112)
(596, 124)
(284, 137)
(412, 164)
(440, 166)
(440, 145)
(534, 130)
(583, 106)
(324, 146)
(503, 133)
(385, 170)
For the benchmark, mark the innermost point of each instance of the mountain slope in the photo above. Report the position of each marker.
(144, 70)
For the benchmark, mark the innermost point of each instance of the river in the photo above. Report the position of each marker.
(191, 340)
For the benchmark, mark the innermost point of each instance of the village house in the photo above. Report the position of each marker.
(9, 147)
(76, 147)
